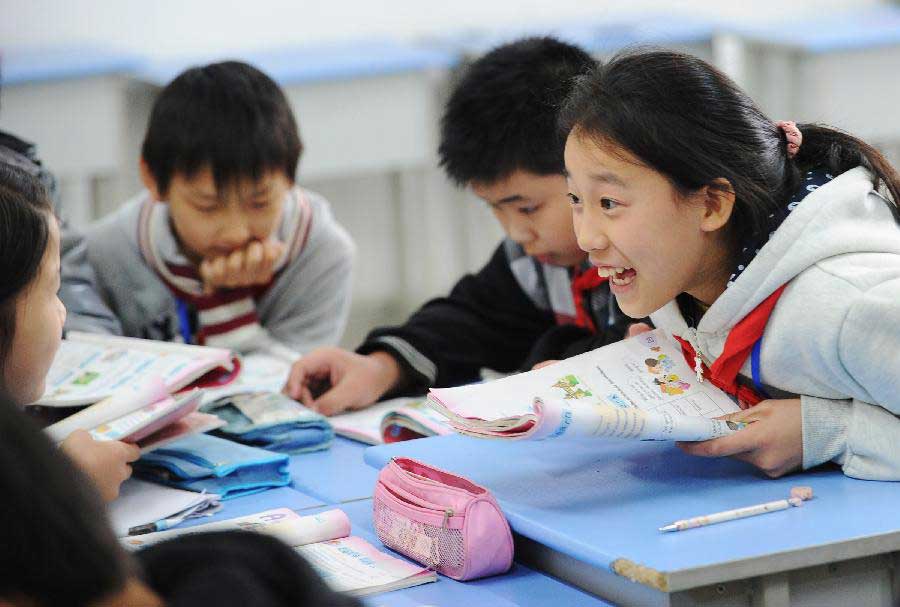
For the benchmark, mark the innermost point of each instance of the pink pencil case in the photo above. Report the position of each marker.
(441, 520)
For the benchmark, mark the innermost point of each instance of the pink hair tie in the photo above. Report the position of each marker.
(794, 137)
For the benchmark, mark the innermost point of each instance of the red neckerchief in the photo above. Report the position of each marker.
(738, 345)
(583, 283)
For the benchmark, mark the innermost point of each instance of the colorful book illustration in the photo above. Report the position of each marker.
(391, 421)
(160, 423)
(347, 564)
(639, 388)
(90, 367)
(129, 382)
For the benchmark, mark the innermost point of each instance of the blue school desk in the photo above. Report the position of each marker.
(589, 513)
(73, 102)
(521, 587)
(335, 475)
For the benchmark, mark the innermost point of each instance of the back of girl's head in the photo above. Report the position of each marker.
(501, 115)
(228, 116)
(24, 234)
(685, 119)
(56, 546)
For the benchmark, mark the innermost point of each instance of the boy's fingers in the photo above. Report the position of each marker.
(206, 274)
(235, 269)
(337, 400)
(306, 397)
(273, 249)
(295, 381)
(215, 273)
(255, 257)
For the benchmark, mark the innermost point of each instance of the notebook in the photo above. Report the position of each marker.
(639, 388)
(346, 563)
(391, 421)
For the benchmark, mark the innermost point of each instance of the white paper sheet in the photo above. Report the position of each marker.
(140, 503)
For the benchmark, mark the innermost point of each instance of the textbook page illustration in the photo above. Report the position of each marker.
(639, 388)
(88, 368)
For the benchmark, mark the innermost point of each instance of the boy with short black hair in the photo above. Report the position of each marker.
(537, 298)
(222, 248)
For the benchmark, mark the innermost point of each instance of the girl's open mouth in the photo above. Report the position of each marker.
(619, 276)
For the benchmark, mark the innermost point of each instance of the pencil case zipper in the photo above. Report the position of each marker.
(437, 517)
(417, 479)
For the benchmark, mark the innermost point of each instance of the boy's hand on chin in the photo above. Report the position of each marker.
(773, 441)
(246, 267)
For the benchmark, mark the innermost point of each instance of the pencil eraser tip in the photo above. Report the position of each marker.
(804, 493)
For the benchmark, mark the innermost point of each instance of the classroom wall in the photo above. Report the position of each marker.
(177, 27)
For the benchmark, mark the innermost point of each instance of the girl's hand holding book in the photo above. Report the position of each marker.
(773, 440)
(106, 463)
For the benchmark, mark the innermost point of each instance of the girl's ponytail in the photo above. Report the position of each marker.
(839, 152)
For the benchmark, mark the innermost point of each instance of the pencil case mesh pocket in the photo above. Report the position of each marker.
(440, 548)
(441, 520)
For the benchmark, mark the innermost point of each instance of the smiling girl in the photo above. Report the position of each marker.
(770, 250)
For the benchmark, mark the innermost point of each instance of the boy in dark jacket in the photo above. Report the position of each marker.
(537, 298)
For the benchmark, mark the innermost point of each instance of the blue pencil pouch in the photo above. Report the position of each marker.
(271, 421)
(203, 462)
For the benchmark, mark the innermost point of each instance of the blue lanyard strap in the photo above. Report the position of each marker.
(184, 321)
(754, 368)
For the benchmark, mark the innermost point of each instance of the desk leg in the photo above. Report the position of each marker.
(774, 591)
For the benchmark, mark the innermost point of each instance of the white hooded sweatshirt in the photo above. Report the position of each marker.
(833, 338)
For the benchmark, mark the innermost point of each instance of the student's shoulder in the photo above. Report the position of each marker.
(119, 227)
(324, 231)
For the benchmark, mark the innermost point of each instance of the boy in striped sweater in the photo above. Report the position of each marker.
(222, 248)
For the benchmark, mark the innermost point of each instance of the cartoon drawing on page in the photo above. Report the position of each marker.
(570, 386)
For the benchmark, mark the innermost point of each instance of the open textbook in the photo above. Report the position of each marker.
(160, 423)
(347, 564)
(391, 421)
(91, 367)
(128, 384)
(638, 388)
